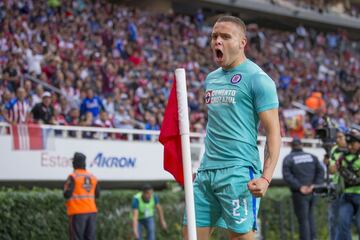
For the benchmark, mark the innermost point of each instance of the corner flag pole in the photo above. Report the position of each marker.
(181, 94)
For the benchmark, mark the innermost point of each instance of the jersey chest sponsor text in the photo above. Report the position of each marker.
(220, 96)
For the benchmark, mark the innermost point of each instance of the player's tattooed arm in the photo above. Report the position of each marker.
(270, 121)
(266, 151)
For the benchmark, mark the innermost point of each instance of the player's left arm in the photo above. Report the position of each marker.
(270, 121)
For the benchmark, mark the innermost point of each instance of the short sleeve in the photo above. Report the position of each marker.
(264, 90)
(156, 199)
(135, 203)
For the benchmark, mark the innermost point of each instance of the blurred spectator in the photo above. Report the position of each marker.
(43, 112)
(28, 89)
(104, 122)
(59, 118)
(315, 102)
(109, 106)
(17, 111)
(88, 122)
(36, 98)
(122, 119)
(92, 104)
(11, 74)
(5, 97)
(73, 119)
(34, 59)
(151, 125)
(349, 8)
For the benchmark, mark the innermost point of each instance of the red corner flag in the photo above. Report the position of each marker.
(171, 139)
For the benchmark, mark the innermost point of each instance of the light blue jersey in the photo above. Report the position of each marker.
(234, 98)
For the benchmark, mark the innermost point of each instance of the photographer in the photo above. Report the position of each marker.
(330, 161)
(301, 171)
(348, 166)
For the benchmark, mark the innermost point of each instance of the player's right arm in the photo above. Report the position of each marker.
(266, 105)
(270, 120)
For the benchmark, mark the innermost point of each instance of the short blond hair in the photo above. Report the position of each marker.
(228, 18)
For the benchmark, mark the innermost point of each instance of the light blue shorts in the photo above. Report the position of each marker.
(222, 199)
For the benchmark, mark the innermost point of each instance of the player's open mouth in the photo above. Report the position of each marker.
(219, 54)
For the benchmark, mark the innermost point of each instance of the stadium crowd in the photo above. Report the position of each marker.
(345, 7)
(114, 66)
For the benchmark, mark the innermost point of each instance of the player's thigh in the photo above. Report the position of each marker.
(202, 233)
(239, 207)
(207, 207)
(241, 236)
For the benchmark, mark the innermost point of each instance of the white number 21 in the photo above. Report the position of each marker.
(236, 206)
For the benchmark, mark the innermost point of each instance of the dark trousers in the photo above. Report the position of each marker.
(82, 227)
(349, 208)
(333, 217)
(304, 210)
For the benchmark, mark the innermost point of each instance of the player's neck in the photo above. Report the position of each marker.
(239, 60)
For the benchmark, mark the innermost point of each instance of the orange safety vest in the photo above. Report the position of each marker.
(83, 198)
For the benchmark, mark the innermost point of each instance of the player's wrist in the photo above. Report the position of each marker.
(266, 179)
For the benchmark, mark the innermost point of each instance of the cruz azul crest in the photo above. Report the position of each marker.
(236, 78)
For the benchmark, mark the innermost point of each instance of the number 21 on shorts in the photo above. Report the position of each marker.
(236, 204)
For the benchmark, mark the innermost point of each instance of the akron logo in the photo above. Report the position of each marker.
(236, 78)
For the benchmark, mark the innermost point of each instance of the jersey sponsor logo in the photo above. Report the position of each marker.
(220, 96)
(236, 78)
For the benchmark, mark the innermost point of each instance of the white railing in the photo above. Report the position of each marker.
(137, 134)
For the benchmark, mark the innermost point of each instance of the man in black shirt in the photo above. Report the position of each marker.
(301, 171)
(43, 112)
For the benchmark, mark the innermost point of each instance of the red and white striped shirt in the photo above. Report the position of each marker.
(17, 111)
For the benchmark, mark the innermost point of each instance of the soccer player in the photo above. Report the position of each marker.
(230, 179)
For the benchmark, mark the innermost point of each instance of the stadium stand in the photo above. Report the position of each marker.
(336, 6)
(127, 57)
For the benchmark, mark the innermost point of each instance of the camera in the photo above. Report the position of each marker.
(325, 190)
(350, 176)
(327, 135)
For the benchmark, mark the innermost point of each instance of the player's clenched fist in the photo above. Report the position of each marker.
(258, 187)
